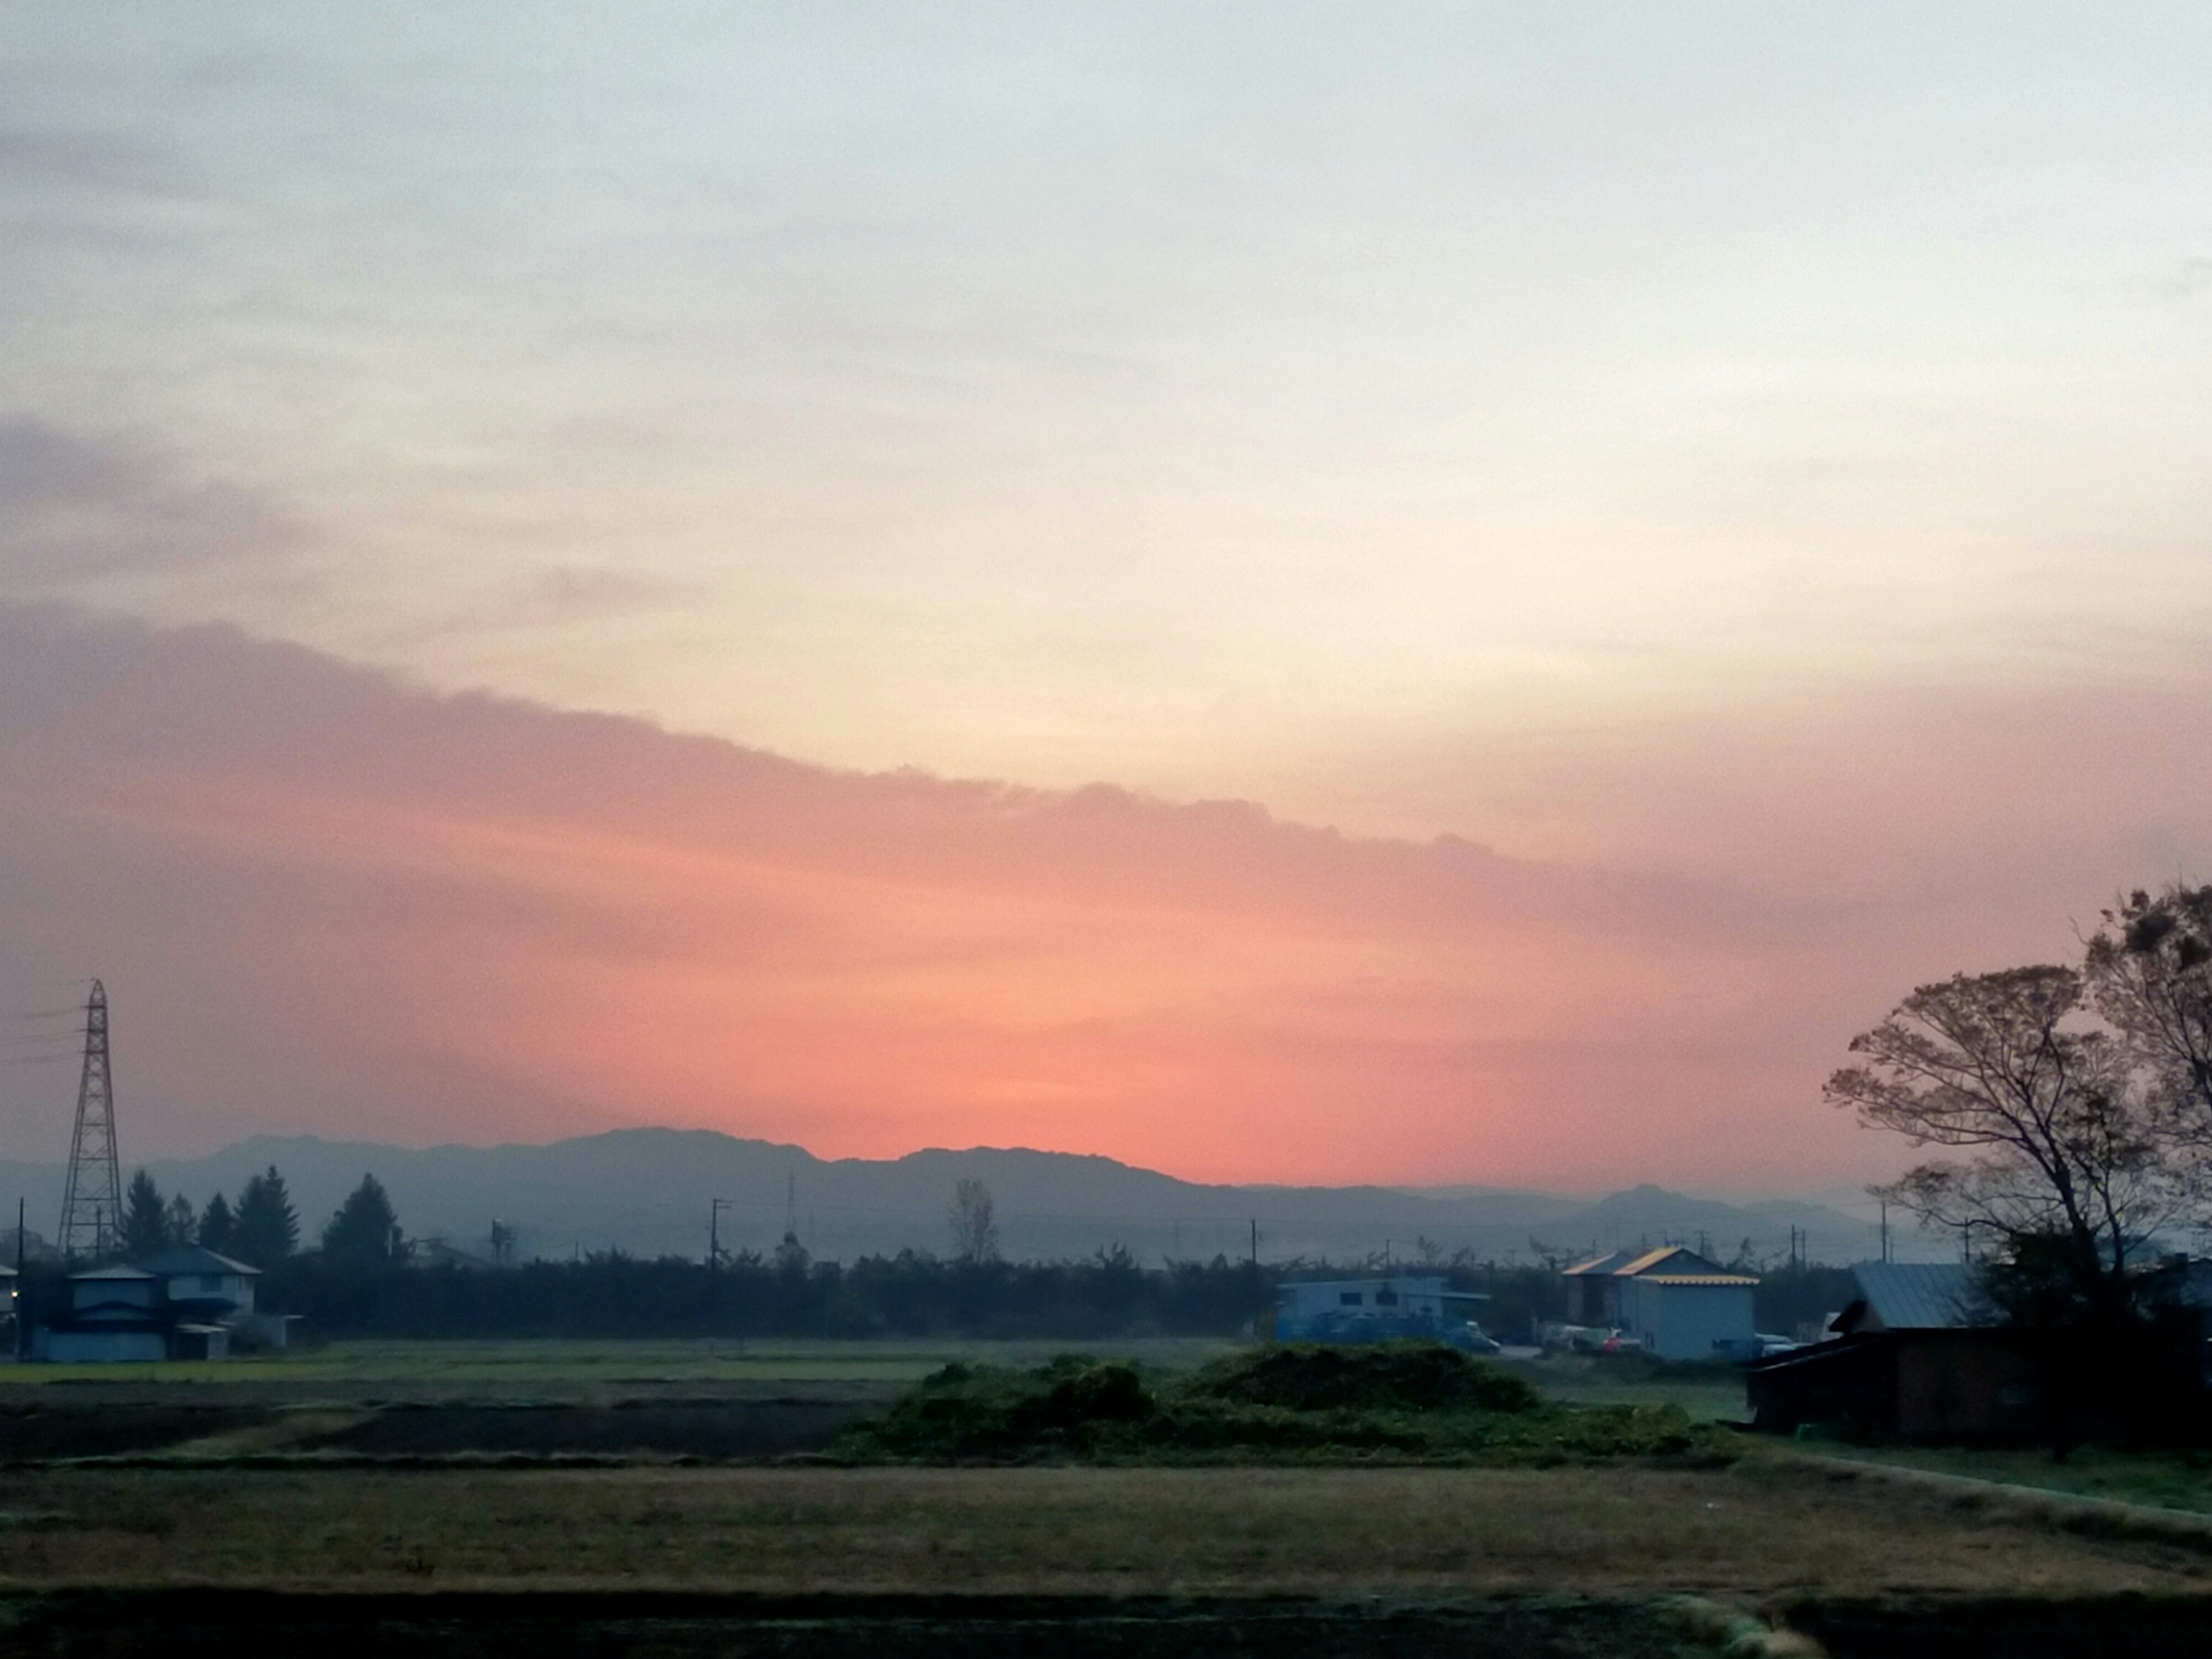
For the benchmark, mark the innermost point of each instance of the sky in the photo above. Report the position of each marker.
(1280, 593)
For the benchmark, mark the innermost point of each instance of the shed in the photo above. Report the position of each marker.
(1678, 1305)
(1593, 1292)
(1917, 1355)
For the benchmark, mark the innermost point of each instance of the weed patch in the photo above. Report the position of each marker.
(1409, 1401)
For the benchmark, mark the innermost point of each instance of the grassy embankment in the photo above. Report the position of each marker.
(2178, 1480)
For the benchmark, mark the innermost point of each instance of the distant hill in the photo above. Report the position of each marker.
(646, 1191)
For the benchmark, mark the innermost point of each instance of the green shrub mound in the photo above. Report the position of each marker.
(1391, 1377)
(1398, 1400)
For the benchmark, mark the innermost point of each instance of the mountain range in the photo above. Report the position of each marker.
(648, 1191)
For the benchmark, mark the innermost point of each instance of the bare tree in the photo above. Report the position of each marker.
(2066, 1151)
(2149, 972)
(974, 1218)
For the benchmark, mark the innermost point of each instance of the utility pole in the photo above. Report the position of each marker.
(23, 1307)
(1255, 1244)
(1885, 1229)
(92, 1199)
(715, 1208)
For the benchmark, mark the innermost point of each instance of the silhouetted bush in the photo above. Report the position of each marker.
(1403, 1400)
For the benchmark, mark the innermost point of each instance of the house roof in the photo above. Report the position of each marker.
(1676, 1264)
(1917, 1295)
(116, 1272)
(1612, 1262)
(1417, 1284)
(191, 1259)
(1670, 1264)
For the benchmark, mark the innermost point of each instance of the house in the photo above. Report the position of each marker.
(1917, 1355)
(1674, 1302)
(185, 1304)
(203, 1283)
(114, 1313)
(1374, 1310)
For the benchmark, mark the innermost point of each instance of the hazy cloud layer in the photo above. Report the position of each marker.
(323, 898)
(1179, 397)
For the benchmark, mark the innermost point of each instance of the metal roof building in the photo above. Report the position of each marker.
(1914, 1296)
(1672, 1300)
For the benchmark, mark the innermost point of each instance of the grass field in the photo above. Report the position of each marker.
(1754, 1532)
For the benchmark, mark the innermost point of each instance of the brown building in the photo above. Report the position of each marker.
(1916, 1356)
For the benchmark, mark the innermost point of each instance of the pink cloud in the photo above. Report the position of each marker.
(323, 899)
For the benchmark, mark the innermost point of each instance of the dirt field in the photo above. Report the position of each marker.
(556, 1369)
(1581, 1563)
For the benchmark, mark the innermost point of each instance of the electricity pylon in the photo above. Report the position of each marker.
(92, 1203)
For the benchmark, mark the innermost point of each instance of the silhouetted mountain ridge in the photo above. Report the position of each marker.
(646, 1191)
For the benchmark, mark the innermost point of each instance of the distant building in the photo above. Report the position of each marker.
(1374, 1310)
(113, 1315)
(437, 1253)
(1674, 1303)
(1917, 1355)
(185, 1304)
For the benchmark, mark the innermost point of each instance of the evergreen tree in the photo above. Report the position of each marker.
(145, 1228)
(181, 1221)
(365, 1232)
(217, 1225)
(265, 1228)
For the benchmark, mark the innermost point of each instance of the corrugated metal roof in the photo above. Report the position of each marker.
(1612, 1262)
(1921, 1295)
(1685, 1261)
(1690, 1268)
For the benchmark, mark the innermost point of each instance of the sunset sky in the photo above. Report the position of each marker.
(1424, 594)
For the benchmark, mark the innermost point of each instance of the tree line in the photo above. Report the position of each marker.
(780, 1294)
(261, 1228)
